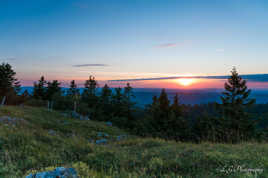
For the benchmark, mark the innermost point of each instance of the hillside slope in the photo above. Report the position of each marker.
(34, 139)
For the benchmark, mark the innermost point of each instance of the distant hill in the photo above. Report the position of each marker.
(144, 96)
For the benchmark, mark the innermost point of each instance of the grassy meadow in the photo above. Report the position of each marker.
(40, 140)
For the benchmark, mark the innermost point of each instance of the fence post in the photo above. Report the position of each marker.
(3, 101)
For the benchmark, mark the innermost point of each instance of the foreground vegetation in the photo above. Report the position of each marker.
(28, 145)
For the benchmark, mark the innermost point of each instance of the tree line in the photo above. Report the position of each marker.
(227, 121)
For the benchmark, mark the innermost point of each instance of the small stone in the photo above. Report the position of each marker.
(52, 132)
(64, 114)
(75, 114)
(59, 172)
(102, 141)
(99, 134)
(120, 137)
(109, 123)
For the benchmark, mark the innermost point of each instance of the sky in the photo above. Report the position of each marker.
(127, 39)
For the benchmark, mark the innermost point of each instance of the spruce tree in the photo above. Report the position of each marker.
(118, 102)
(9, 85)
(175, 107)
(235, 99)
(74, 94)
(164, 102)
(89, 93)
(106, 93)
(73, 91)
(39, 91)
(52, 89)
(128, 95)
(105, 102)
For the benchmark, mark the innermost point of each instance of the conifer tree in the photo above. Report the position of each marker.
(91, 85)
(52, 89)
(175, 107)
(9, 85)
(235, 99)
(117, 101)
(89, 93)
(163, 102)
(74, 93)
(106, 95)
(128, 95)
(155, 101)
(39, 91)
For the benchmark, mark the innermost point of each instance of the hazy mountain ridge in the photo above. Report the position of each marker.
(144, 96)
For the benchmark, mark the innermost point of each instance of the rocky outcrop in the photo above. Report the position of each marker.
(76, 115)
(59, 172)
(109, 123)
(11, 120)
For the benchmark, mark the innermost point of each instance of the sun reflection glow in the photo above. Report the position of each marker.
(186, 81)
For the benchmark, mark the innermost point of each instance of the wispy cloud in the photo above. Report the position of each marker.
(249, 77)
(91, 65)
(166, 45)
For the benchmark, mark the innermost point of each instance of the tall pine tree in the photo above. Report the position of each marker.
(235, 99)
(175, 107)
(39, 91)
(9, 85)
(128, 95)
(74, 94)
(52, 89)
(89, 93)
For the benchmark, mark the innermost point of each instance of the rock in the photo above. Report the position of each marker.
(91, 141)
(120, 137)
(52, 132)
(84, 118)
(101, 141)
(81, 117)
(11, 121)
(109, 123)
(101, 134)
(59, 172)
(64, 114)
(75, 114)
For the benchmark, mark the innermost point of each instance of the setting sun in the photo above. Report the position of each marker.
(186, 81)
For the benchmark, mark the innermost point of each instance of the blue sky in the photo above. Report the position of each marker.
(114, 39)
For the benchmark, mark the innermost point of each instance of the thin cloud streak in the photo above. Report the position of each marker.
(167, 45)
(249, 77)
(91, 65)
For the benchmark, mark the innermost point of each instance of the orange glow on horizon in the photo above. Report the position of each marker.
(186, 81)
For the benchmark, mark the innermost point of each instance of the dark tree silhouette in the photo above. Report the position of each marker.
(235, 99)
(73, 91)
(163, 102)
(74, 94)
(39, 91)
(9, 85)
(89, 93)
(52, 89)
(175, 107)
(128, 95)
